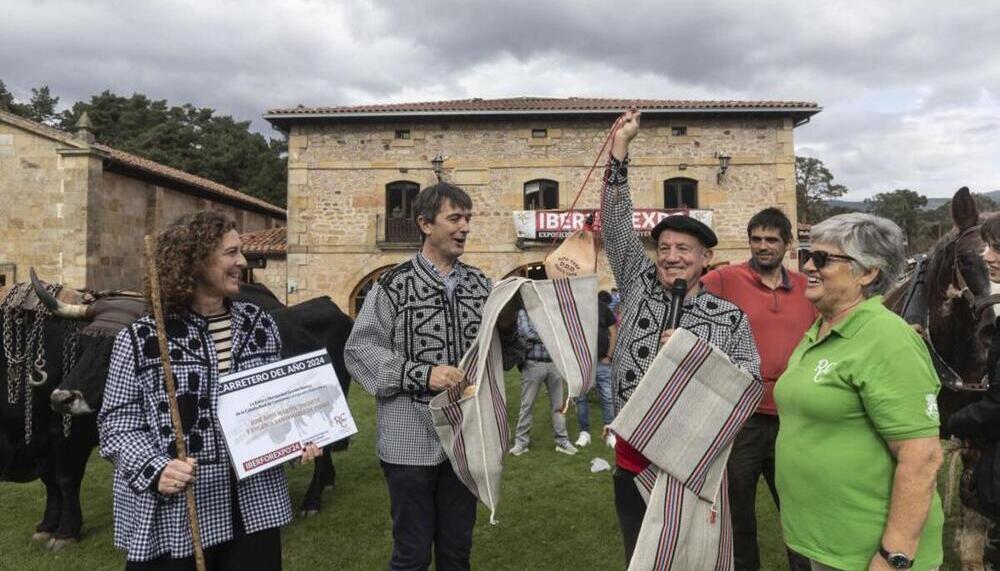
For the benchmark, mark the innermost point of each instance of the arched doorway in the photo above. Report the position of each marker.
(361, 290)
(534, 271)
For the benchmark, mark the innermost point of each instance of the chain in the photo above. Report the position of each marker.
(11, 311)
(71, 344)
(19, 346)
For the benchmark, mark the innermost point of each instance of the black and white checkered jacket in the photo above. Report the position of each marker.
(645, 303)
(137, 436)
(407, 325)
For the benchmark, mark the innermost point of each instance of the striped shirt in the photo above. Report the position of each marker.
(220, 327)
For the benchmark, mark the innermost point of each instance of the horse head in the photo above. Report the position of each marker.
(957, 279)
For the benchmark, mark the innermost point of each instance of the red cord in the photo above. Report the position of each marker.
(597, 159)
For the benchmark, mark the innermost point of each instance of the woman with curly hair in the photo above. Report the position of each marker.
(209, 335)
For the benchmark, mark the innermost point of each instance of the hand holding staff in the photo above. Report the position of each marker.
(175, 415)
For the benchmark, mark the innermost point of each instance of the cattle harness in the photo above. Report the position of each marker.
(21, 346)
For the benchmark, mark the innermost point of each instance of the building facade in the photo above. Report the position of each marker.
(265, 251)
(354, 171)
(77, 211)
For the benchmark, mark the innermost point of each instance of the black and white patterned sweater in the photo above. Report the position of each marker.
(137, 436)
(645, 303)
(409, 324)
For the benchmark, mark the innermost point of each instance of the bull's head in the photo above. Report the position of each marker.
(56, 306)
(82, 388)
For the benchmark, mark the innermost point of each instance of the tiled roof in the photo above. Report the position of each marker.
(188, 179)
(145, 165)
(547, 104)
(272, 241)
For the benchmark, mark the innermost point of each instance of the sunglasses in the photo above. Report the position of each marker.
(821, 259)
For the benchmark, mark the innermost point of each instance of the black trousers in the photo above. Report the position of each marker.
(259, 551)
(430, 507)
(752, 457)
(630, 507)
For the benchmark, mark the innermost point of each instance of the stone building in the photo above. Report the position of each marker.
(77, 211)
(353, 172)
(265, 251)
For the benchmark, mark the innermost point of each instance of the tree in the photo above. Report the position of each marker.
(902, 206)
(42, 107)
(7, 102)
(937, 222)
(189, 138)
(813, 186)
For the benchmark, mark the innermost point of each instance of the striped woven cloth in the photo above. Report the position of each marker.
(683, 417)
(471, 418)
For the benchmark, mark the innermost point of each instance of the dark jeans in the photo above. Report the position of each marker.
(752, 457)
(257, 551)
(630, 507)
(430, 507)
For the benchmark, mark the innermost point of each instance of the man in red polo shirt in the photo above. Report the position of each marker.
(773, 299)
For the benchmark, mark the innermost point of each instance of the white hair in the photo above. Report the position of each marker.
(873, 241)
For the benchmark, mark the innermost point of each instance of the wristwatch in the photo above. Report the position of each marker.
(896, 560)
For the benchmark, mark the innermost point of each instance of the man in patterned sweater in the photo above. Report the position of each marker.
(416, 323)
(683, 249)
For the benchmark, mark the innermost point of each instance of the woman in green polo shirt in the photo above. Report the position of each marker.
(857, 450)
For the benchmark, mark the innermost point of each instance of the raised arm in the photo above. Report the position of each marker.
(625, 252)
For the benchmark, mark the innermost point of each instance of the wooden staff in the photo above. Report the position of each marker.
(168, 379)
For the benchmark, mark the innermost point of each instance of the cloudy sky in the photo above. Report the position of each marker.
(910, 89)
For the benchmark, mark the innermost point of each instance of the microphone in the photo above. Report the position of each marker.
(677, 293)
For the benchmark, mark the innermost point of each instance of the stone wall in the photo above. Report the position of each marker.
(334, 198)
(75, 222)
(43, 205)
(338, 174)
(119, 224)
(125, 210)
(274, 277)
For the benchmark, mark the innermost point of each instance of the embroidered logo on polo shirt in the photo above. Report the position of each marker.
(932, 408)
(823, 368)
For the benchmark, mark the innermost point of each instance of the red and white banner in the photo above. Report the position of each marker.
(545, 224)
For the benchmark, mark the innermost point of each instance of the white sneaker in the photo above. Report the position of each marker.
(566, 448)
(610, 440)
(517, 450)
(583, 440)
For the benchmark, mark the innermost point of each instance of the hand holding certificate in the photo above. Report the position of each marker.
(269, 413)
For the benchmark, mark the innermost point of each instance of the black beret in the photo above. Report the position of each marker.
(687, 225)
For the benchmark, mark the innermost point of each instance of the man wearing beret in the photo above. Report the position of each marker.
(683, 250)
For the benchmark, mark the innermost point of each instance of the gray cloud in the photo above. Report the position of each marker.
(910, 89)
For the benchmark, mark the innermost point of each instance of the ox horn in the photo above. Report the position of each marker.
(58, 308)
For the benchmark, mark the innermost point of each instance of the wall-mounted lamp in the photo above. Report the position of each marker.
(438, 162)
(723, 157)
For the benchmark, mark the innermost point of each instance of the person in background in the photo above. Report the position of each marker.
(857, 453)
(615, 302)
(774, 301)
(607, 332)
(538, 369)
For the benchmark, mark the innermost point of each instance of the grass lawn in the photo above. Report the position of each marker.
(554, 513)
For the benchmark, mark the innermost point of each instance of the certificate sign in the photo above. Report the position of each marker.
(268, 413)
